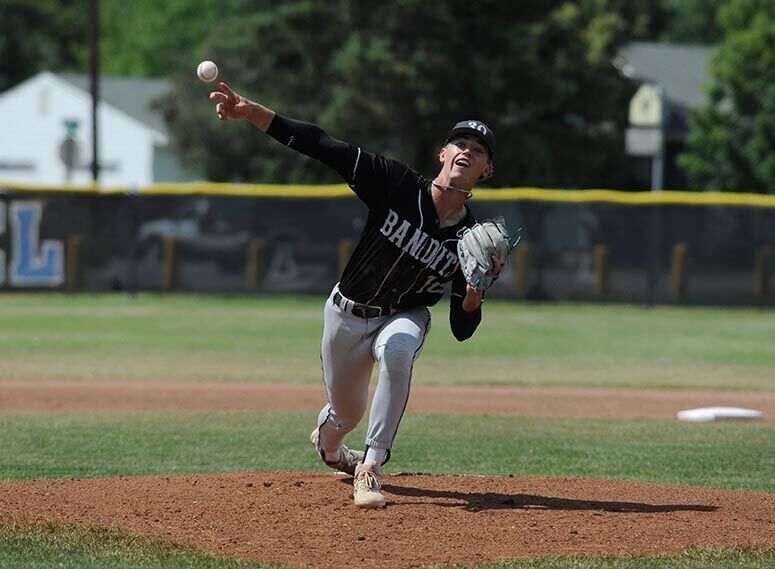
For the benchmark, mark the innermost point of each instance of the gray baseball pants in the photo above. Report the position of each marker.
(351, 345)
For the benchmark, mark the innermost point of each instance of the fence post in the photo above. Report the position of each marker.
(73, 262)
(255, 264)
(761, 277)
(678, 281)
(520, 265)
(601, 270)
(169, 269)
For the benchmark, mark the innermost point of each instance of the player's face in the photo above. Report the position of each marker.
(466, 159)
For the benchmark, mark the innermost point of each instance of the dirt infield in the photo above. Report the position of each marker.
(303, 519)
(19, 397)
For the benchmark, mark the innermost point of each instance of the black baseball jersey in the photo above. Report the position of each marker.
(403, 257)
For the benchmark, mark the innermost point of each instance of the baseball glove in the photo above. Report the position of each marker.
(476, 248)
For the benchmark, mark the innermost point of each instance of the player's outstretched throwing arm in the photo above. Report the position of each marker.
(307, 138)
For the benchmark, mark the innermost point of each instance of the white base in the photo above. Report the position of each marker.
(703, 414)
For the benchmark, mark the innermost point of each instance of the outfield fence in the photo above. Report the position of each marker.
(590, 245)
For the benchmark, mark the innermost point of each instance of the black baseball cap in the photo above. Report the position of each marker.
(478, 129)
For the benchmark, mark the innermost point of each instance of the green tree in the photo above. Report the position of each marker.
(390, 76)
(45, 34)
(731, 145)
(393, 77)
(148, 38)
(278, 54)
(690, 21)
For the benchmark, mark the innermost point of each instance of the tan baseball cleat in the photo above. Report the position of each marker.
(348, 458)
(367, 490)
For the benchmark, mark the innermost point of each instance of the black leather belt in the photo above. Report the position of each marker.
(358, 309)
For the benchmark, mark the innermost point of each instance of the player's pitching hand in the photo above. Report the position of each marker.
(230, 105)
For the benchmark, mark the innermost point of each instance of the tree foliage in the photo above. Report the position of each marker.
(731, 145)
(390, 76)
(393, 78)
(689, 21)
(45, 34)
(148, 38)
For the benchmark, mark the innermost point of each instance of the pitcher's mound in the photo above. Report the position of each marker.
(304, 519)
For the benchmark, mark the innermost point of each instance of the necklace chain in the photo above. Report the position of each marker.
(468, 193)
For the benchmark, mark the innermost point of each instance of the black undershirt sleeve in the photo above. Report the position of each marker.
(462, 323)
(369, 175)
(313, 141)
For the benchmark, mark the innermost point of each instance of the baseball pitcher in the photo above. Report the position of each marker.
(419, 235)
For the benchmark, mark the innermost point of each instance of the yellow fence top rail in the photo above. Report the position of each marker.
(251, 190)
(627, 198)
(342, 191)
(18, 187)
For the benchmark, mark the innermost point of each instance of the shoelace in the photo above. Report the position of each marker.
(369, 479)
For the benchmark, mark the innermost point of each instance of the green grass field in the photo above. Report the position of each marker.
(155, 443)
(185, 338)
(277, 339)
(56, 547)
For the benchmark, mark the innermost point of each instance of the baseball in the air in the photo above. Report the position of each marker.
(207, 71)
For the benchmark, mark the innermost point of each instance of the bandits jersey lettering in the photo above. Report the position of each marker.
(403, 257)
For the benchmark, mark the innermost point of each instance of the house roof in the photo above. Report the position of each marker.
(681, 70)
(134, 96)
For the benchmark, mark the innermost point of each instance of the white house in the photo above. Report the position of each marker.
(39, 114)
